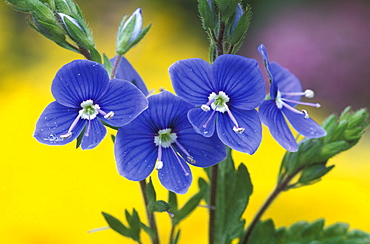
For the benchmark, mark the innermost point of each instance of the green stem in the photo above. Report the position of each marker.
(115, 65)
(150, 215)
(212, 203)
(279, 188)
(172, 233)
(220, 39)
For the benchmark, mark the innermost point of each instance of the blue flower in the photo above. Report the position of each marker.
(125, 71)
(85, 99)
(285, 93)
(162, 138)
(226, 95)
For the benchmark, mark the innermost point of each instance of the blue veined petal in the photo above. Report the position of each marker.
(135, 152)
(125, 100)
(306, 127)
(125, 71)
(192, 80)
(247, 141)
(55, 121)
(273, 118)
(167, 110)
(96, 132)
(173, 175)
(205, 151)
(203, 122)
(79, 81)
(262, 50)
(285, 81)
(241, 79)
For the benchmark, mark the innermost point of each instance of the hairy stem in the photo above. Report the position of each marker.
(85, 52)
(279, 188)
(212, 203)
(150, 215)
(115, 65)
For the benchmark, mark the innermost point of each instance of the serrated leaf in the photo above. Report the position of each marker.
(116, 225)
(187, 208)
(158, 206)
(263, 233)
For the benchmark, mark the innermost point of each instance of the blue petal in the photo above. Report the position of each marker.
(241, 79)
(306, 127)
(125, 100)
(135, 151)
(79, 81)
(192, 80)
(198, 118)
(96, 134)
(125, 71)
(55, 121)
(205, 151)
(247, 141)
(273, 118)
(262, 50)
(167, 110)
(285, 81)
(173, 175)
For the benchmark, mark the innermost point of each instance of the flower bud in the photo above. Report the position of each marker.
(66, 7)
(313, 173)
(130, 32)
(41, 12)
(20, 5)
(206, 12)
(76, 31)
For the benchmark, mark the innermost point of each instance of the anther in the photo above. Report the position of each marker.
(306, 116)
(159, 165)
(109, 115)
(191, 160)
(238, 129)
(205, 108)
(66, 136)
(309, 93)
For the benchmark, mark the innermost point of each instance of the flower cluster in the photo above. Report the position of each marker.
(216, 106)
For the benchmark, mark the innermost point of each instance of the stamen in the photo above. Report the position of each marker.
(159, 165)
(306, 116)
(307, 93)
(236, 128)
(317, 105)
(88, 128)
(205, 108)
(66, 136)
(179, 161)
(74, 123)
(159, 157)
(304, 112)
(106, 115)
(188, 156)
(170, 214)
(209, 119)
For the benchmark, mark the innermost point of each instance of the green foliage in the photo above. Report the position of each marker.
(303, 232)
(311, 159)
(189, 206)
(234, 188)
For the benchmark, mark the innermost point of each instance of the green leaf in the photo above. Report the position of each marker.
(242, 27)
(134, 224)
(233, 190)
(177, 237)
(95, 55)
(116, 225)
(79, 138)
(158, 206)
(107, 64)
(187, 208)
(263, 233)
(150, 192)
(206, 14)
(172, 200)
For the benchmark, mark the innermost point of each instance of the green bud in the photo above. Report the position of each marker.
(359, 118)
(227, 8)
(313, 173)
(206, 12)
(76, 31)
(41, 12)
(66, 7)
(330, 150)
(241, 26)
(130, 32)
(20, 5)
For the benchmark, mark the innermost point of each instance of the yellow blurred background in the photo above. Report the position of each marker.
(55, 195)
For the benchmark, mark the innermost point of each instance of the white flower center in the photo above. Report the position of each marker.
(165, 138)
(89, 110)
(219, 101)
